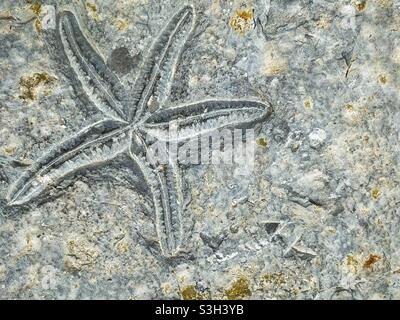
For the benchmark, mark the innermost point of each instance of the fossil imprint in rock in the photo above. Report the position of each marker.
(128, 120)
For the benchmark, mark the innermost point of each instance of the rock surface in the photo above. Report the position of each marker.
(316, 218)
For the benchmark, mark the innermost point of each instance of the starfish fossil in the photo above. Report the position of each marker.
(128, 119)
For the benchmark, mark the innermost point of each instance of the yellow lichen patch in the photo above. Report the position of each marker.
(190, 293)
(360, 5)
(372, 259)
(308, 103)
(382, 79)
(81, 256)
(295, 147)
(122, 247)
(263, 142)
(122, 24)
(239, 289)
(242, 21)
(91, 6)
(375, 193)
(29, 85)
(359, 263)
(38, 25)
(92, 10)
(167, 288)
(9, 150)
(273, 278)
(331, 230)
(349, 107)
(352, 263)
(36, 8)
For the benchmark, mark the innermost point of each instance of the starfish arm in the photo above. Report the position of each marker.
(158, 68)
(166, 187)
(91, 147)
(190, 120)
(100, 84)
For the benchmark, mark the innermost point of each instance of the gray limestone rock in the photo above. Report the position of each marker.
(89, 89)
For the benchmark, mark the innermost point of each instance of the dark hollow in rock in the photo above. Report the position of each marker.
(121, 61)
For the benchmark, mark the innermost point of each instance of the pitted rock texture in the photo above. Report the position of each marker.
(316, 218)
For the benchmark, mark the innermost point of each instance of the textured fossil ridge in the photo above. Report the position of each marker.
(194, 119)
(98, 81)
(81, 151)
(95, 146)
